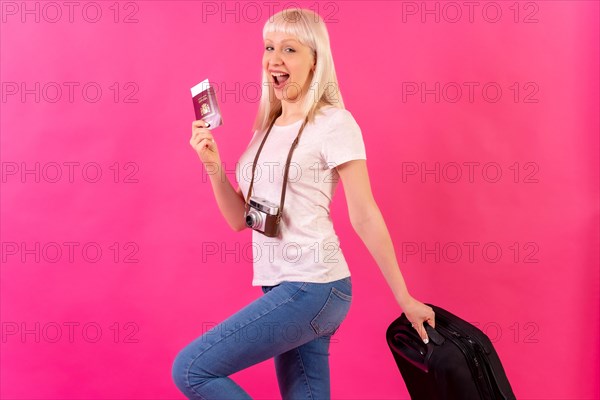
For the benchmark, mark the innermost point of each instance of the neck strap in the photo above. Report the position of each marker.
(287, 165)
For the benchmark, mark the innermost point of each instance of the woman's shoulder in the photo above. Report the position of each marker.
(332, 114)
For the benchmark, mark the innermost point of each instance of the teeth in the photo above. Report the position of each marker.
(278, 73)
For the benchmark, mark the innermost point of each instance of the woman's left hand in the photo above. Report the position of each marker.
(418, 313)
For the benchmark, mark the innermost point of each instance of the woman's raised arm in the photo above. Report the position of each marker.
(230, 201)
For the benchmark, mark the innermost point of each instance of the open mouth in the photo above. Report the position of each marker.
(280, 80)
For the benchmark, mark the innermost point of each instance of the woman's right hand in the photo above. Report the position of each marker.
(203, 142)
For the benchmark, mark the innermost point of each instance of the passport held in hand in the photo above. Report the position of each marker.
(205, 104)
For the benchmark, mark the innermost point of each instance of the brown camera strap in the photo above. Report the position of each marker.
(287, 166)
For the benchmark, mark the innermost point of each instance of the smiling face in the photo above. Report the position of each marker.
(288, 64)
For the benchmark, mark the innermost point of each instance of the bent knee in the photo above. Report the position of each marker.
(180, 370)
(189, 370)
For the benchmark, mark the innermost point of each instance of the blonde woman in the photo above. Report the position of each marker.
(305, 279)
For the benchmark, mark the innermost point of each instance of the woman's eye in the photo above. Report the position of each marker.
(268, 48)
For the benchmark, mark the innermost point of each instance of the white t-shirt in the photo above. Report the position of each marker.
(307, 248)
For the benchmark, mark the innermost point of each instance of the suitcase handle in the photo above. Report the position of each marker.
(407, 342)
(433, 335)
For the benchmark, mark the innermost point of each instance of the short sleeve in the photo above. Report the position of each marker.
(342, 140)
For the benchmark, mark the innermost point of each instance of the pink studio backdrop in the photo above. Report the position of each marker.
(481, 129)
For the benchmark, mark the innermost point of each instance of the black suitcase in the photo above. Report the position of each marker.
(458, 363)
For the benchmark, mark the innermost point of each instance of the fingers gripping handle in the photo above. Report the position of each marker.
(433, 335)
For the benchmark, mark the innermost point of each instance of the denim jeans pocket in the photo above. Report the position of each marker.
(333, 312)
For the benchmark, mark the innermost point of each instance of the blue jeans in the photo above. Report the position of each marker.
(292, 322)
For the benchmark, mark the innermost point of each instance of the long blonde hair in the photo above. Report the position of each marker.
(309, 29)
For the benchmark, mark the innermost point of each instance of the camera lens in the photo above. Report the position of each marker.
(254, 220)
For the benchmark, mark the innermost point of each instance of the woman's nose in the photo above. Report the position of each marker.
(274, 59)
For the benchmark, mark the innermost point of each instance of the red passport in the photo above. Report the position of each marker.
(205, 104)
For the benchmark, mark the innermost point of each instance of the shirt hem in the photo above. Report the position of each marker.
(258, 282)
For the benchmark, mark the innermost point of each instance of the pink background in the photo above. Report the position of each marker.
(538, 301)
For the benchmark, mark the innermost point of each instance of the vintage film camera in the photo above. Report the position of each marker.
(262, 216)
